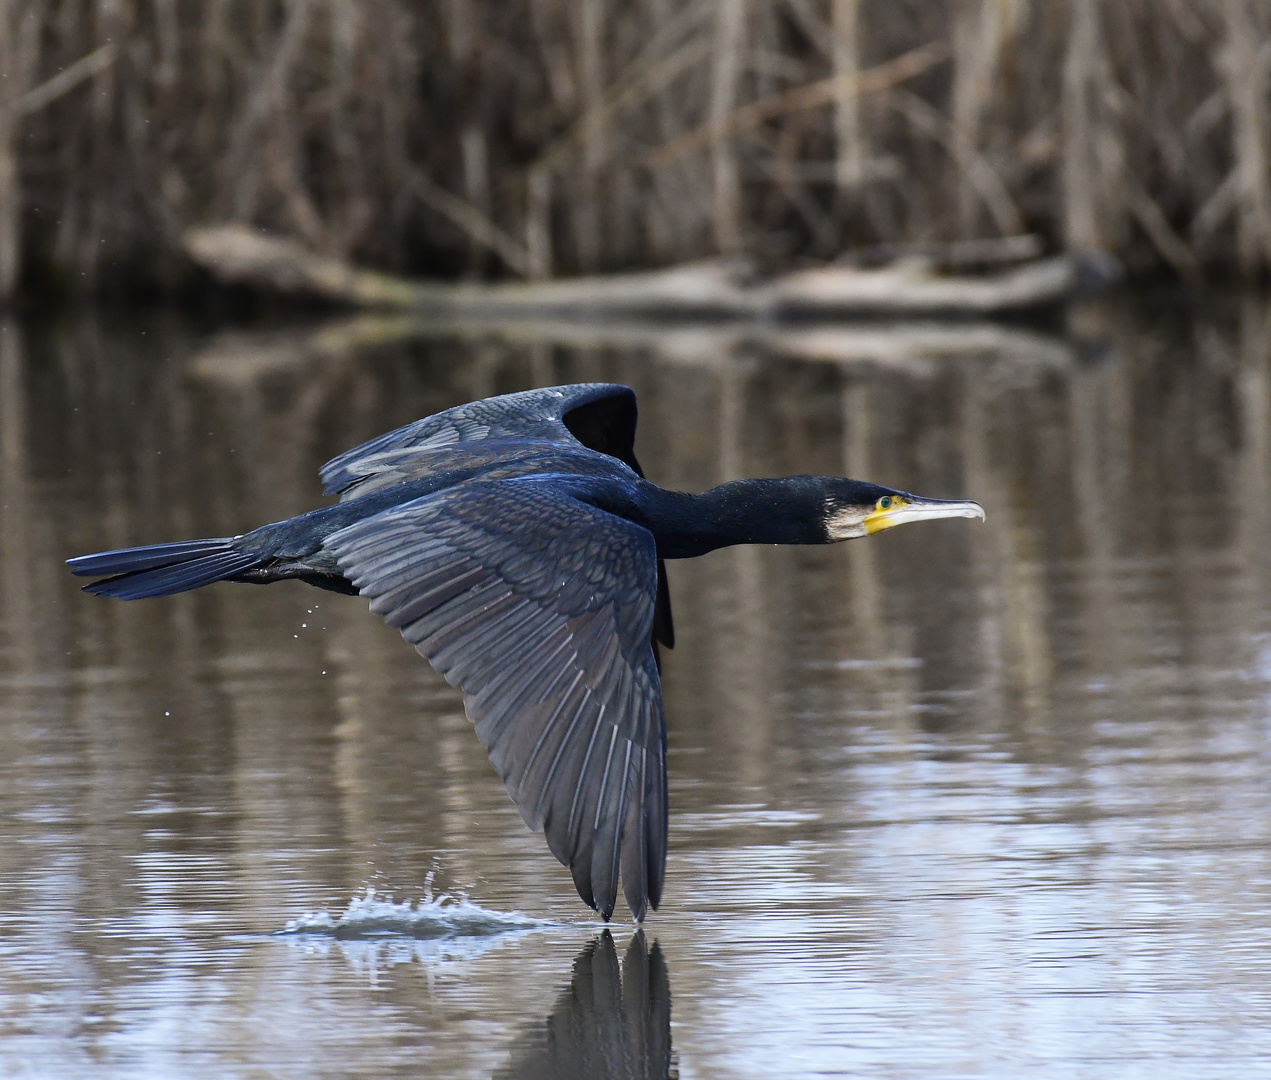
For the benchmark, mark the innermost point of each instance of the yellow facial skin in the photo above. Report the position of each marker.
(881, 517)
(893, 510)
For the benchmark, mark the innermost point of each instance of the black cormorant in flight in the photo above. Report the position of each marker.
(516, 544)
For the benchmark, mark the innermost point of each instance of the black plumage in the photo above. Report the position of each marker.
(517, 546)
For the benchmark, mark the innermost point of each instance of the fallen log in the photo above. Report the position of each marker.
(715, 289)
(907, 290)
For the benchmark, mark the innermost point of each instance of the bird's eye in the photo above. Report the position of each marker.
(884, 503)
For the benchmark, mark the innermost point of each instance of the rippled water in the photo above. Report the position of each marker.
(958, 800)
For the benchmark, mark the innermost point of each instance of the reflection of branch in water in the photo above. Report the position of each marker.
(237, 357)
(605, 1024)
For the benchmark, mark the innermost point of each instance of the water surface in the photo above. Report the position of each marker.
(958, 800)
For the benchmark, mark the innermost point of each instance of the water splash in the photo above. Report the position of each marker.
(435, 917)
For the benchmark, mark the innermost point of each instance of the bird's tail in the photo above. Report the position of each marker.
(160, 569)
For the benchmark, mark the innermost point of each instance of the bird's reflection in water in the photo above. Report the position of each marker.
(608, 1024)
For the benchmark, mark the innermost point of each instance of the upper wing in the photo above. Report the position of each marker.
(600, 416)
(540, 608)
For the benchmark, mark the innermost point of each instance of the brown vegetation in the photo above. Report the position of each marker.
(539, 137)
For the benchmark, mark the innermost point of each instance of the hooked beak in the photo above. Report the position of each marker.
(911, 508)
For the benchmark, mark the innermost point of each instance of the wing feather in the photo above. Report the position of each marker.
(540, 607)
(599, 416)
(604, 829)
(635, 871)
(549, 736)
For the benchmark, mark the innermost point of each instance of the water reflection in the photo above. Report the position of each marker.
(964, 800)
(608, 1024)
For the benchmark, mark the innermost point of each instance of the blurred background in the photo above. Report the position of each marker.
(959, 800)
(541, 137)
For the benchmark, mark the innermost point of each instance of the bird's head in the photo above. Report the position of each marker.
(855, 508)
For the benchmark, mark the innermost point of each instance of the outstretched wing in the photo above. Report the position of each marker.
(539, 607)
(600, 416)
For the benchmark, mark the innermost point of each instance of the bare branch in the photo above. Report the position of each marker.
(66, 80)
(826, 92)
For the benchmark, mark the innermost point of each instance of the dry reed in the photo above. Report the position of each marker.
(540, 137)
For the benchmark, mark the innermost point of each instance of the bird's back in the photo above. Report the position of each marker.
(600, 417)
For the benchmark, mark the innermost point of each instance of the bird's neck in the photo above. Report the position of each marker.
(780, 511)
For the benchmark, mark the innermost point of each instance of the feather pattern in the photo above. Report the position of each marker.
(128, 560)
(597, 416)
(540, 607)
(609, 418)
(174, 577)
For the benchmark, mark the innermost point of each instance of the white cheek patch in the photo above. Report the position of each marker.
(846, 524)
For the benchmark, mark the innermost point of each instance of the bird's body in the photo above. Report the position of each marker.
(516, 544)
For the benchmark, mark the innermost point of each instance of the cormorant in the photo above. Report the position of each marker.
(516, 544)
